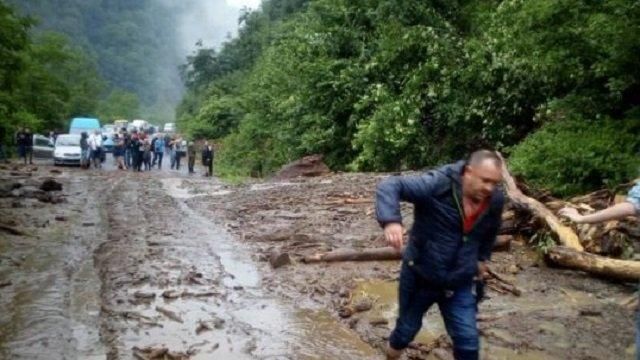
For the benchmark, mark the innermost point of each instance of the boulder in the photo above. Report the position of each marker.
(307, 166)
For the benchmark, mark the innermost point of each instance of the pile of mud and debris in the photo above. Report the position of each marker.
(162, 265)
(532, 310)
(24, 186)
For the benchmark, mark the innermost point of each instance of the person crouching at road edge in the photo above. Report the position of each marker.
(457, 214)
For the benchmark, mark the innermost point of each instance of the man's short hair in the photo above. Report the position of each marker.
(478, 156)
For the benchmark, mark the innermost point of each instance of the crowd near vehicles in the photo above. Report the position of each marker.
(67, 149)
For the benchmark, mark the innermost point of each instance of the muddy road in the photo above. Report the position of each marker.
(122, 265)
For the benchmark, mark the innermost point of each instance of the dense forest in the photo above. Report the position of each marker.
(393, 85)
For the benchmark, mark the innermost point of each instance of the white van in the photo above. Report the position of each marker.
(140, 124)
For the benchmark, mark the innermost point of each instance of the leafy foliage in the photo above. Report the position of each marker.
(387, 85)
(44, 79)
(575, 155)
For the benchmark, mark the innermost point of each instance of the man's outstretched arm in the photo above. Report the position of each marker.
(390, 193)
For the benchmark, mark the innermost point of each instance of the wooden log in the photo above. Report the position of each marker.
(626, 270)
(381, 253)
(11, 230)
(566, 236)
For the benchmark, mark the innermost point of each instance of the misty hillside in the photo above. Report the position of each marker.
(137, 46)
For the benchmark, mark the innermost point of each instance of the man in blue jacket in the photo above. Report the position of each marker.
(457, 214)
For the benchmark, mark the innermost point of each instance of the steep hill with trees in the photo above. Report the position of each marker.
(389, 85)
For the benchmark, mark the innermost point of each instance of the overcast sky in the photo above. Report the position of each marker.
(241, 3)
(210, 21)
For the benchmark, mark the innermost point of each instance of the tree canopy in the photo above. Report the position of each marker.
(391, 85)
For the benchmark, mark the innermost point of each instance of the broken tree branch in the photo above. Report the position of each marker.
(566, 236)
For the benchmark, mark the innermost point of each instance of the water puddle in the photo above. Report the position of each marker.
(176, 188)
(385, 295)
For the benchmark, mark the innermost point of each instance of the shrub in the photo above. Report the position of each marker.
(575, 156)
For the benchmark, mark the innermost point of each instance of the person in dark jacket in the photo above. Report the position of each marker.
(134, 145)
(457, 214)
(3, 154)
(191, 153)
(207, 158)
(85, 150)
(24, 140)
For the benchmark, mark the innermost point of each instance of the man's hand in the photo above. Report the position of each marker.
(572, 214)
(483, 270)
(393, 233)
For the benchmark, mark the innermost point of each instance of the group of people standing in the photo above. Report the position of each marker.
(140, 151)
(91, 151)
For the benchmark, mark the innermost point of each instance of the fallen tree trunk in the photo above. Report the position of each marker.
(566, 236)
(626, 270)
(11, 230)
(382, 253)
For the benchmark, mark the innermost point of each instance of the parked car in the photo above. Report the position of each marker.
(78, 125)
(42, 147)
(67, 149)
(169, 128)
(119, 124)
(107, 143)
(140, 125)
(108, 131)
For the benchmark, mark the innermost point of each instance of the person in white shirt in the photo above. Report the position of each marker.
(95, 144)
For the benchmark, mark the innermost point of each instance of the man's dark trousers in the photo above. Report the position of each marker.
(458, 309)
(192, 163)
(158, 157)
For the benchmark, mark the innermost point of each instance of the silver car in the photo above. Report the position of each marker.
(67, 149)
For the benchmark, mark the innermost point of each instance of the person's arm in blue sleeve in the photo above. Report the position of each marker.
(388, 196)
(395, 189)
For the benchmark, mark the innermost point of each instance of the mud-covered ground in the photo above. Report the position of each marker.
(121, 265)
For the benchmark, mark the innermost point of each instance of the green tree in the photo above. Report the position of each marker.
(14, 41)
(59, 81)
(119, 104)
